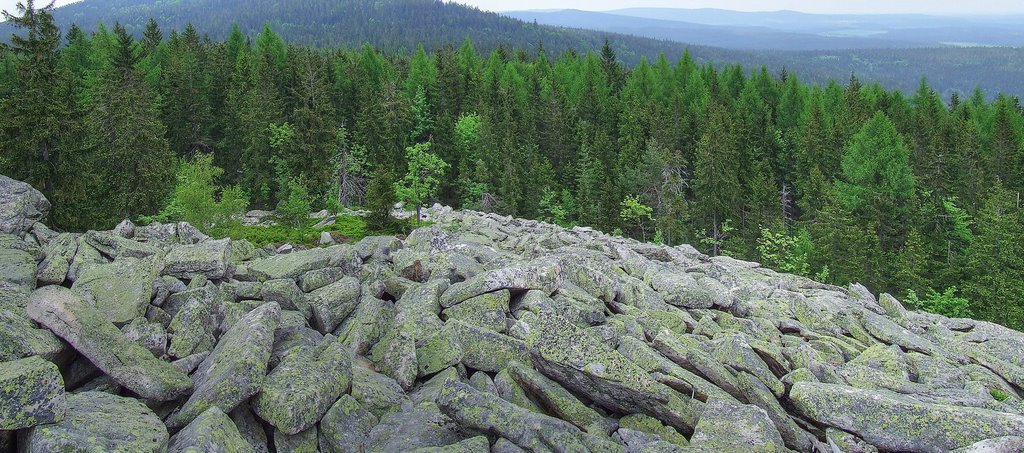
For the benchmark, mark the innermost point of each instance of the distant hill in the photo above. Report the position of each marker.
(399, 25)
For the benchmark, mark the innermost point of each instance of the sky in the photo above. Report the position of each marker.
(815, 6)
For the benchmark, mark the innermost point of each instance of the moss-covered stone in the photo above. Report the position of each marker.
(552, 396)
(846, 442)
(121, 290)
(31, 393)
(689, 354)
(208, 258)
(528, 430)
(487, 350)
(291, 265)
(251, 428)
(193, 325)
(92, 335)
(19, 338)
(211, 431)
(365, 326)
(53, 270)
(303, 442)
(286, 293)
(486, 311)
(759, 395)
(97, 421)
(895, 422)
(237, 367)
(643, 423)
(478, 444)
(17, 269)
(395, 356)
(345, 427)
(440, 351)
(422, 425)
(304, 386)
(543, 276)
(376, 392)
(728, 426)
(319, 278)
(333, 303)
(149, 335)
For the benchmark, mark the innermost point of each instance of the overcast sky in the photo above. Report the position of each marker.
(815, 6)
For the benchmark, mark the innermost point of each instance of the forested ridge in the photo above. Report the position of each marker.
(402, 25)
(843, 182)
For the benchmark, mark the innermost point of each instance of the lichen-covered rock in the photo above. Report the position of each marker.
(649, 425)
(345, 427)
(558, 400)
(485, 311)
(896, 422)
(209, 259)
(91, 334)
(121, 290)
(1009, 444)
(211, 431)
(847, 443)
(20, 206)
(149, 335)
(376, 392)
(303, 442)
(476, 444)
(543, 276)
(251, 428)
(192, 327)
(528, 430)
(579, 361)
(237, 367)
(287, 294)
(19, 338)
(395, 355)
(31, 393)
(333, 303)
(728, 426)
(422, 425)
(97, 421)
(53, 270)
(17, 269)
(290, 265)
(487, 350)
(304, 386)
(319, 278)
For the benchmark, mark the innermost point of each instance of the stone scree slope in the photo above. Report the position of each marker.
(479, 333)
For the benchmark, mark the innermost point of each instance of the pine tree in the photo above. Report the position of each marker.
(31, 130)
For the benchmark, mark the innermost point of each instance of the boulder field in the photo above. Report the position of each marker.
(477, 333)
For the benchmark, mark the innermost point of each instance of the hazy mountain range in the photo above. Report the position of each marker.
(790, 30)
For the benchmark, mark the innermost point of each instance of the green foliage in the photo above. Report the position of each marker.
(294, 209)
(876, 164)
(999, 395)
(423, 179)
(635, 213)
(380, 200)
(199, 201)
(785, 253)
(946, 303)
(556, 207)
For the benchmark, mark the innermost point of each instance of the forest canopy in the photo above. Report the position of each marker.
(908, 193)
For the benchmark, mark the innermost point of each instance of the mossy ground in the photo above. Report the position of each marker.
(352, 227)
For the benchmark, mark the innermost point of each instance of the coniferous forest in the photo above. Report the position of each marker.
(908, 193)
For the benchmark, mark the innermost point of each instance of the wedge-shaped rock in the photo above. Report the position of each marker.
(759, 395)
(19, 338)
(286, 293)
(345, 427)
(579, 361)
(91, 334)
(895, 422)
(645, 424)
(422, 425)
(251, 428)
(376, 392)
(541, 276)
(365, 326)
(528, 430)
(304, 386)
(53, 270)
(735, 352)
(319, 278)
(121, 290)
(97, 421)
(333, 303)
(552, 396)
(689, 354)
(209, 259)
(211, 431)
(728, 426)
(488, 350)
(237, 367)
(486, 311)
(291, 265)
(31, 393)
(395, 356)
(419, 307)
(193, 325)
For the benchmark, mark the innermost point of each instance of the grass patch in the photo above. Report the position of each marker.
(352, 227)
(999, 395)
